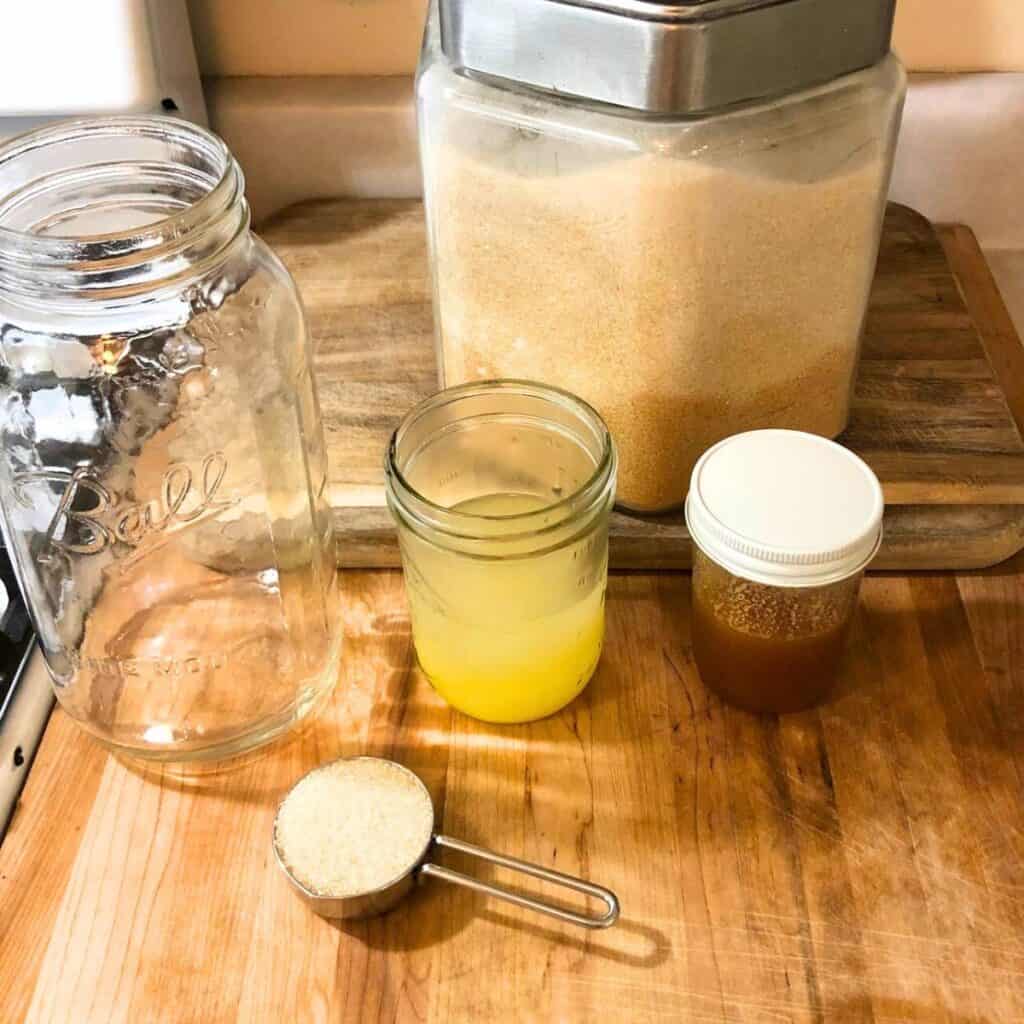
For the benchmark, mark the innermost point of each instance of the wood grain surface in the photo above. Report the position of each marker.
(864, 862)
(930, 413)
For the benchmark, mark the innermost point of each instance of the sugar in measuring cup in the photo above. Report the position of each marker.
(354, 835)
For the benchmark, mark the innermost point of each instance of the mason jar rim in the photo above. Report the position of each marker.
(24, 253)
(424, 514)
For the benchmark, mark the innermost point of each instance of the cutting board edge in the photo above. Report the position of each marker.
(988, 311)
(366, 539)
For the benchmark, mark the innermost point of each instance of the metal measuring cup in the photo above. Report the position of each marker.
(385, 897)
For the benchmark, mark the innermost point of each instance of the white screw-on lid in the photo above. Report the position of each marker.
(785, 508)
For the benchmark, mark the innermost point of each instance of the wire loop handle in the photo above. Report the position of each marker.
(606, 896)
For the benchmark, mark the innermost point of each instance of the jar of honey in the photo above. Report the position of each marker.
(502, 492)
(784, 525)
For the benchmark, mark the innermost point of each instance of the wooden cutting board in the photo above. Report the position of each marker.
(938, 408)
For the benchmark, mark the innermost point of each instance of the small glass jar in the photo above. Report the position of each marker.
(784, 525)
(502, 492)
(162, 465)
(671, 210)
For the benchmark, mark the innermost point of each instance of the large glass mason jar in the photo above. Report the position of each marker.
(162, 467)
(670, 209)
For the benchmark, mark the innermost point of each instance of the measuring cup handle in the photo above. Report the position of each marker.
(606, 896)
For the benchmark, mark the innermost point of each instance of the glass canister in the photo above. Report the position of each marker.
(162, 466)
(672, 210)
(502, 492)
(784, 525)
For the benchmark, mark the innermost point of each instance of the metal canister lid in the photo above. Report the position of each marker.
(678, 58)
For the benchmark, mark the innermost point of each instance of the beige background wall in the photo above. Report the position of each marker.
(307, 37)
(381, 37)
(961, 35)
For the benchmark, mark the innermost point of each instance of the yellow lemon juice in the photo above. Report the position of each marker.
(508, 640)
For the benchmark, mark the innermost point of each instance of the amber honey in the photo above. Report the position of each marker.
(766, 648)
(784, 525)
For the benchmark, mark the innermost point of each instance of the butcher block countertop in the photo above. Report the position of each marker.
(864, 862)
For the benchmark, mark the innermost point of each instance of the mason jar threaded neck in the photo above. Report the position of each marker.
(98, 208)
(514, 438)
